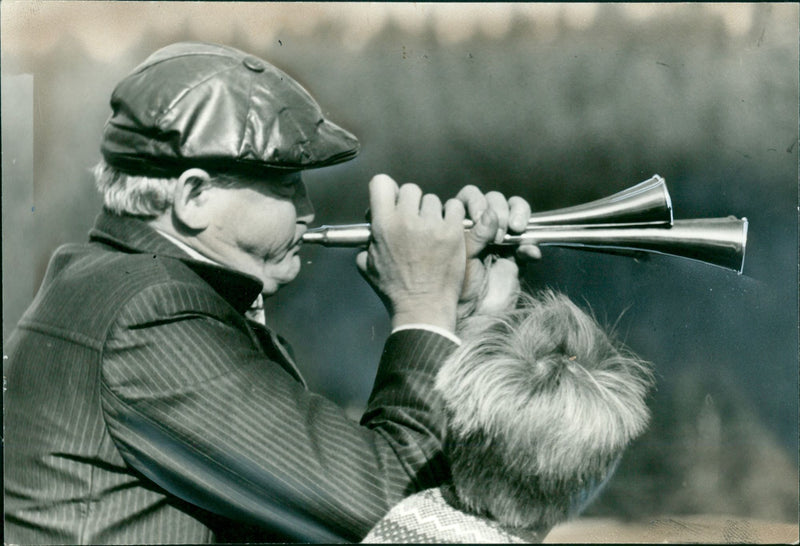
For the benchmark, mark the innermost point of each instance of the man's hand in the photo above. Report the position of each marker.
(491, 283)
(415, 261)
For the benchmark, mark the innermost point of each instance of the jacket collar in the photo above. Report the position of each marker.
(135, 236)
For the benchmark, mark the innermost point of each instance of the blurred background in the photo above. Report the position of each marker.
(557, 103)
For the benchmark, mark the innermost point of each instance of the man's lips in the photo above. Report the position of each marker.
(294, 248)
(298, 236)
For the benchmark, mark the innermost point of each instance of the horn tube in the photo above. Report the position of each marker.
(715, 241)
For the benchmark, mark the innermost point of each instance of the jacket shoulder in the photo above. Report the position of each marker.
(87, 286)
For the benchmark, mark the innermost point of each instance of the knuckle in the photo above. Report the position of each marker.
(431, 199)
(520, 204)
(506, 266)
(495, 196)
(410, 187)
(381, 179)
(470, 189)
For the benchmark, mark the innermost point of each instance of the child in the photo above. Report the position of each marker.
(540, 404)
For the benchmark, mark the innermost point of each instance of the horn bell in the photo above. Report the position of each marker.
(715, 241)
(646, 203)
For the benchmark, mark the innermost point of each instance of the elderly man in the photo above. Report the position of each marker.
(148, 403)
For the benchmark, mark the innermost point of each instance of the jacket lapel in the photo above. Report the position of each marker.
(277, 349)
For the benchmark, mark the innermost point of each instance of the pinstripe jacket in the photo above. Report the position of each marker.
(143, 407)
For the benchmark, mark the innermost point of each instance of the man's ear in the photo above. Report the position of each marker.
(190, 199)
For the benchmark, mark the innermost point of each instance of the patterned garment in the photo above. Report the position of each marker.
(143, 407)
(426, 518)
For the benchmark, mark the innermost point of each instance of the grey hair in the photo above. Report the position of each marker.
(540, 404)
(143, 196)
(134, 195)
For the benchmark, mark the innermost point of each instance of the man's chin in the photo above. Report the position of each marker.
(274, 280)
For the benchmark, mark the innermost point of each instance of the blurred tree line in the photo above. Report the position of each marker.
(559, 119)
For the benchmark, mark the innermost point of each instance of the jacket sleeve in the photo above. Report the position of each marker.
(193, 404)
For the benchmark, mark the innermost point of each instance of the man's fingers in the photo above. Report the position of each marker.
(519, 213)
(481, 234)
(503, 267)
(503, 287)
(431, 206)
(474, 201)
(497, 202)
(454, 210)
(382, 195)
(529, 252)
(408, 199)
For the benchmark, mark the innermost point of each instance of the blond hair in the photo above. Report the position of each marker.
(540, 403)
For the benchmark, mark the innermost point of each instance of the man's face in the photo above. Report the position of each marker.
(256, 228)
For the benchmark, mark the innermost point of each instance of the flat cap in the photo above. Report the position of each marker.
(195, 104)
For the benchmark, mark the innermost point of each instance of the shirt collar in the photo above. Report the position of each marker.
(186, 248)
(256, 311)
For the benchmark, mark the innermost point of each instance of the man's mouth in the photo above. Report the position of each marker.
(294, 248)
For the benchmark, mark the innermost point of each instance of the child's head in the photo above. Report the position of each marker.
(540, 405)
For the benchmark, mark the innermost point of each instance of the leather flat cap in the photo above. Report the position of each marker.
(202, 105)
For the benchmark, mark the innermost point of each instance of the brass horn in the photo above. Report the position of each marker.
(638, 219)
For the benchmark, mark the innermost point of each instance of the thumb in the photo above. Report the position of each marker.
(503, 287)
(482, 233)
(361, 262)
